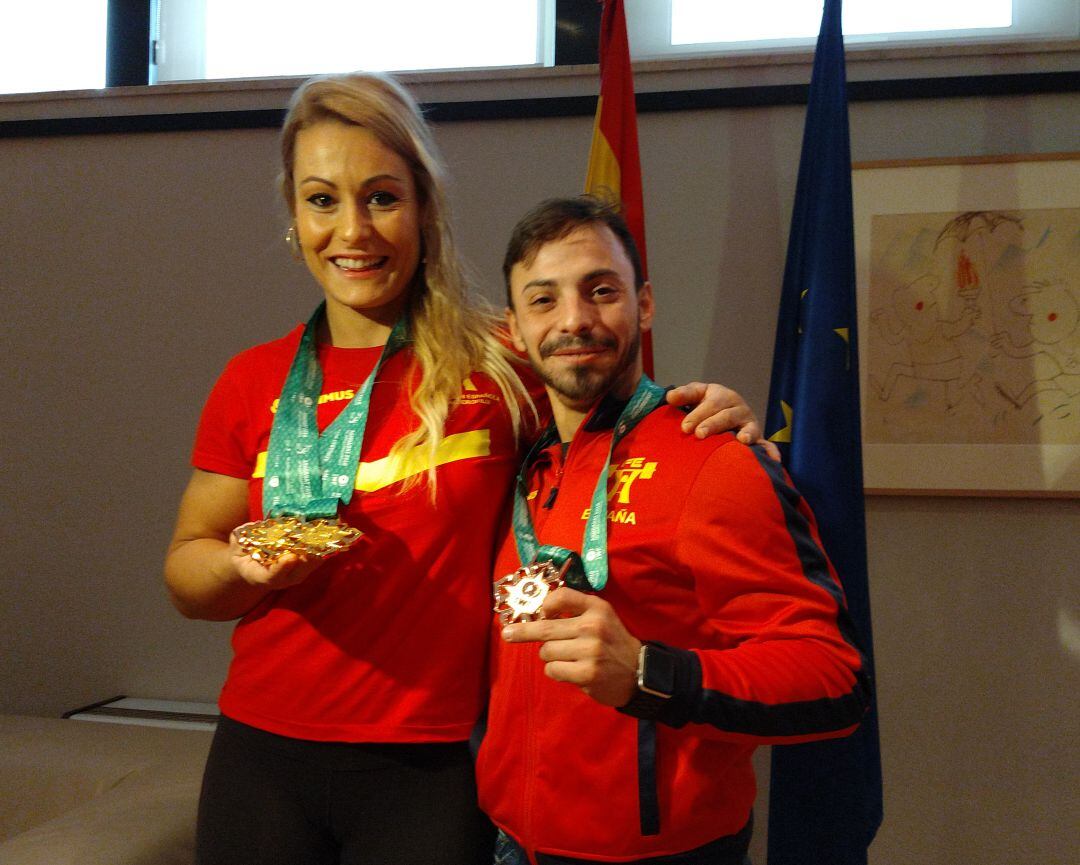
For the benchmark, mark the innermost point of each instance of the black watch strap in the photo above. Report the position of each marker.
(656, 675)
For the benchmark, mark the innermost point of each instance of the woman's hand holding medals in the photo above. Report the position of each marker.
(584, 643)
(282, 552)
(288, 569)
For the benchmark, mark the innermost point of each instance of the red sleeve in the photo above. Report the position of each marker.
(791, 670)
(224, 442)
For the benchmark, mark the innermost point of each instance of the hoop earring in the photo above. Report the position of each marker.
(292, 240)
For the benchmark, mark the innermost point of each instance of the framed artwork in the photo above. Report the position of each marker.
(968, 277)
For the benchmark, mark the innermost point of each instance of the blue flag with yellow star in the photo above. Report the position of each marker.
(825, 797)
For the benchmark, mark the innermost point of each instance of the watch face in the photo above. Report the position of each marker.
(658, 672)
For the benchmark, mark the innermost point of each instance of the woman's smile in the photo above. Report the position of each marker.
(358, 222)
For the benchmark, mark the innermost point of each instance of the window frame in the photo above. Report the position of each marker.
(569, 89)
(128, 43)
(133, 31)
(649, 26)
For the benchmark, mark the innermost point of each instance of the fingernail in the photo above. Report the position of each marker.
(508, 633)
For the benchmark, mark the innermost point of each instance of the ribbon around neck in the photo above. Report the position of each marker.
(307, 474)
(589, 569)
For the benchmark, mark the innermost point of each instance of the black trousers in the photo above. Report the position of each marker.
(272, 800)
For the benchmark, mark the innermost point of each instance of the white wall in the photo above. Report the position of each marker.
(133, 266)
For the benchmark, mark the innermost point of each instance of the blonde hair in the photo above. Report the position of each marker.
(452, 334)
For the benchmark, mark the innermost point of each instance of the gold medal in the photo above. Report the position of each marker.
(520, 595)
(266, 541)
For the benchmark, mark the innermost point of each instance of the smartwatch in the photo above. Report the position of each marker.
(655, 681)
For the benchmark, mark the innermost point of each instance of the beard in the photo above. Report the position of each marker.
(585, 384)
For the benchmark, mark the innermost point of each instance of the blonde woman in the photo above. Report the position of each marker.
(356, 680)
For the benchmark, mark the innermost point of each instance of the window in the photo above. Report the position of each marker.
(213, 39)
(62, 44)
(58, 45)
(663, 28)
(693, 21)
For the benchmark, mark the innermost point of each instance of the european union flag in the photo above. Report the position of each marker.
(825, 797)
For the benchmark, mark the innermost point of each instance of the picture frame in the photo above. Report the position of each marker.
(968, 281)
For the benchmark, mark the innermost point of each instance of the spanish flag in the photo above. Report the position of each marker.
(614, 166)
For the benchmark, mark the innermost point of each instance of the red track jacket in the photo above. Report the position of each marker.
(712, 552)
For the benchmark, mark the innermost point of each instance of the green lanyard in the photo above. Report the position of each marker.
(308, 474)
(590, 569)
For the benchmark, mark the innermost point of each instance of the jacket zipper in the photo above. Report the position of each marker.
(558, 459)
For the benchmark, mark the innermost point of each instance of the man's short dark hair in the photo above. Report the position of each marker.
(554, 219)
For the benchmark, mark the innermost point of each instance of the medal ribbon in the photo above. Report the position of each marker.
(590, 569)
(307, 474)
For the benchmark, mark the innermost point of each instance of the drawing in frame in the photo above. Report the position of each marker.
(968, 275)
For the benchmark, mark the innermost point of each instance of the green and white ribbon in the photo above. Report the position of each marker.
(589, 569)
(307, 474)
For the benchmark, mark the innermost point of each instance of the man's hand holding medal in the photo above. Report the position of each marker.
(583, 642)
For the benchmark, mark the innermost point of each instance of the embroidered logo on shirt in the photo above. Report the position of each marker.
(333, 396)
(621, 479)
(471, 394)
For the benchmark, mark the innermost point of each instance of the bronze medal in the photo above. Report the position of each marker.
(520, 595)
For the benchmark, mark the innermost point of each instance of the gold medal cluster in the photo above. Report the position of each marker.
(266, 541)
